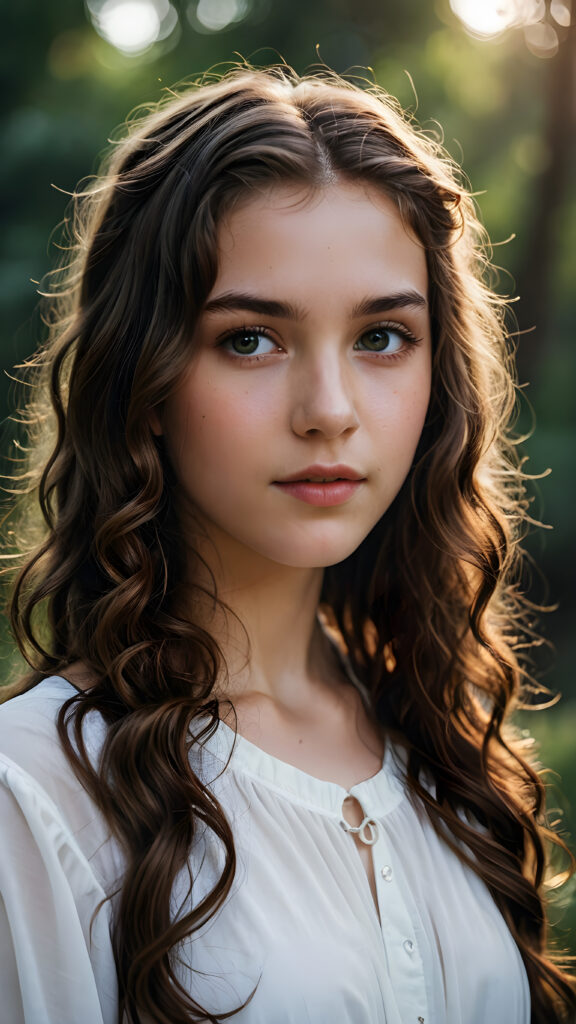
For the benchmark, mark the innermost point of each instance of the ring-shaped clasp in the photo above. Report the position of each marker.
(367, 831)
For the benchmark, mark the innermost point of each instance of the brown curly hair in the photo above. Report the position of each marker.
(434, 583)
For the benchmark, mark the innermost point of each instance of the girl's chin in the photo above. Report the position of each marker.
(314, 558)
(318, 547)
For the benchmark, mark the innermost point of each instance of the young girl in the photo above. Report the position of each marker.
(259, 767)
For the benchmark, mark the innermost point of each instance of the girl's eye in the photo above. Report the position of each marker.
(389, 340)
(253, 342)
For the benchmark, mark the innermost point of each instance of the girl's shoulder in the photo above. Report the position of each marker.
(34, 710)
(32, 715)
(58, 863)
(39, 789)
(30, 745)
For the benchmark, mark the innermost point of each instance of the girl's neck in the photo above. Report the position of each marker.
(268, 630)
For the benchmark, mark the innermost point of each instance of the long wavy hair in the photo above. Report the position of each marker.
(428, 608)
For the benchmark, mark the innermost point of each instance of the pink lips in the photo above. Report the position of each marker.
(340, 483)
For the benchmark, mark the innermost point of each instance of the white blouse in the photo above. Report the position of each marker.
(300, 921)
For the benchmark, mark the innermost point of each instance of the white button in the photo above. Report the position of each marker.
(386, 873)
(408, 946)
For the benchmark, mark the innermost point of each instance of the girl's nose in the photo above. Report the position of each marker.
(323, 402)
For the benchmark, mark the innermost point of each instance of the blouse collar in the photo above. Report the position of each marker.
(377, 795)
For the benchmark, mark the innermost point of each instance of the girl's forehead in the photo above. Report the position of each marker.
(292, 198)
(348, 230)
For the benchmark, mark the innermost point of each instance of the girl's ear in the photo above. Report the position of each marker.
(154, 421)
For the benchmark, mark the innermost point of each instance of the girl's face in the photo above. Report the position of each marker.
(298, 419)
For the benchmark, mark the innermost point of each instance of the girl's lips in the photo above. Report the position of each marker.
(331, 492)
(322, 473)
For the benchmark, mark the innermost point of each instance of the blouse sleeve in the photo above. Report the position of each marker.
(56, 958)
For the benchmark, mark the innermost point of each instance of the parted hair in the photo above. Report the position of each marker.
(428, 608)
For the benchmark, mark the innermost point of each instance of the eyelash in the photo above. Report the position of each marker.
(387, 325)
(237, 332)
(394, 328)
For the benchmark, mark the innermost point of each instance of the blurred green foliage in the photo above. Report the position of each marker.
(507, 114)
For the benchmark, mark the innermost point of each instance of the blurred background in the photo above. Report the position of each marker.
(496, 77)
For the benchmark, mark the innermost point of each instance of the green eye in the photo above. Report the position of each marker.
(380, 339)
(249, 343)
(245, 344)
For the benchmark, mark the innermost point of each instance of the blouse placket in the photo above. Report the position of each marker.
(400, 938)
(376, 796)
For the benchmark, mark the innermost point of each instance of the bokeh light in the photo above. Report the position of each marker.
(486, 18)
(132, 26)
(560, 12)
(215, 15)
(542, 40)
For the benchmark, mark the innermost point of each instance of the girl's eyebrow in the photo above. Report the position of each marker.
(384, 303)
(231, 301)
